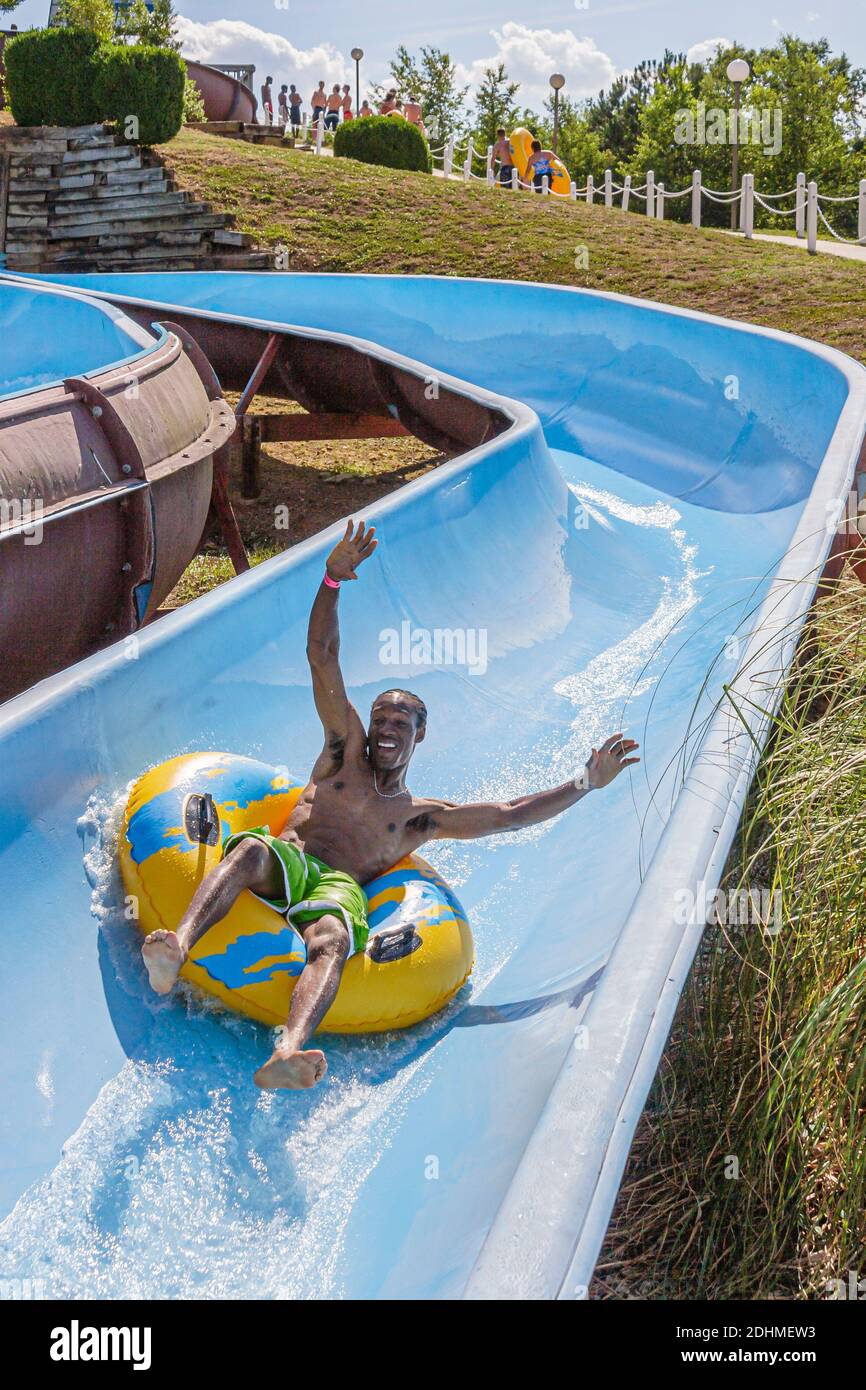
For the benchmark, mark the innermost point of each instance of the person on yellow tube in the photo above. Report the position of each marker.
(539, 167)
(355, 818)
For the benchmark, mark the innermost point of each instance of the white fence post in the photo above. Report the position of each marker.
(626, 192)
(747, 204)
(572, 191)
(800, 205)
(448, 157)
(696, 197)
(590, 188)
(491, 177)
(320, 134)
(861, 212)
(470, 155)
(650, 193)
(304, 131)
(812, 218)
(608, 188)
(545, 185)
(660, 201)
(515, 179)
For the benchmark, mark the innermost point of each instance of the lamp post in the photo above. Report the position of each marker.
(737, 70)
(557, 82)
(357, 54)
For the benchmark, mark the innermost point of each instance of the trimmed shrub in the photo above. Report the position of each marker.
(141, 89)
(387, 140)
(49, 77)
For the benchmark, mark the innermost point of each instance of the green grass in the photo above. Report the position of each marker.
(747, 1178)
(207, 570)
(338, 215)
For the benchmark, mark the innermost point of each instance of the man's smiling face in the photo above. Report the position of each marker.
(397, 723)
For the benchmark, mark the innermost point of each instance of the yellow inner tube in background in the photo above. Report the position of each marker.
(251, 959)
(521, 142)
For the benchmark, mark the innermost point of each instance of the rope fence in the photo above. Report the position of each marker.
(461, 160)
(807, 210)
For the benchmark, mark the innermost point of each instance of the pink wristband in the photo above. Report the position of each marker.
(331, 583)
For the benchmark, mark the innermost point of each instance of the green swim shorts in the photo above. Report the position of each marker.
(312, 889)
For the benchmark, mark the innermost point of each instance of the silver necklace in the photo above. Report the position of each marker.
(388, 795)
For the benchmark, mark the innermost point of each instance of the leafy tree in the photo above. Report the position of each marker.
(155, 27)
(660, 145)
(801, 109)
(578, 144)
(494, 105)
(615, 115)
(433, 79)
(96, 16)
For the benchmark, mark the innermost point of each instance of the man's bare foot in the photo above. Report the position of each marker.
(163, 956)
(291, 1071)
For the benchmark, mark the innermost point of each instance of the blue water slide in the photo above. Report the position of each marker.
(636, 550)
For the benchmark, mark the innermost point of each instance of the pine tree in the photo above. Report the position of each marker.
(495, 105)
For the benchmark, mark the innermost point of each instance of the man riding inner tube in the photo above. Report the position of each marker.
(354, 818)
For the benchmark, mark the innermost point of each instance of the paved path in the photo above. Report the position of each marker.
(829, 248)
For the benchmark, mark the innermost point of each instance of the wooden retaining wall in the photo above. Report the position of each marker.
(75, 198)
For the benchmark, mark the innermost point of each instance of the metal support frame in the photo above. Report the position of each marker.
(137, 509)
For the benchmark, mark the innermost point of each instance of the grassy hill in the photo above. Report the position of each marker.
(337, 215)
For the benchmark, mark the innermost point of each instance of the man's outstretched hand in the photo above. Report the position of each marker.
(356, 546)
(610, 759)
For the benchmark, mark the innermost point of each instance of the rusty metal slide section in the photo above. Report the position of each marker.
(330, 377)
(105, 483)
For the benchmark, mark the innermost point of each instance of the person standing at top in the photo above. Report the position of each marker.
(503, 153)
(412, 112)
(389, 104)
(347, 102)
(318, 102)
(283, 101)
(295, 110)
(335, 105)
(366, 109)
(268, 101)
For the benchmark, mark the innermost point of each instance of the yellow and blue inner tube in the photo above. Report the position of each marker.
(521, 142)
(176, 821)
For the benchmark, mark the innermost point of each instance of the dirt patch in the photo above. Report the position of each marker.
(304, 488)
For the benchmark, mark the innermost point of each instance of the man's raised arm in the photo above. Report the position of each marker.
(323, 633)
(473, 821)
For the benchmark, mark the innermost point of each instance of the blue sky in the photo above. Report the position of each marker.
(588, 40)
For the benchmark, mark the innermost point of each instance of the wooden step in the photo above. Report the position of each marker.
(107, 226)
(138, 205)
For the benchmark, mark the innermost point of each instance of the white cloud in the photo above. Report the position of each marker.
(700, 52)
(531, 55)
(234, 41)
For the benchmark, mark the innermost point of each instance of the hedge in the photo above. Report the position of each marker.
(387, 140)
(141, 88)
(49, 77)
(64, 77)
